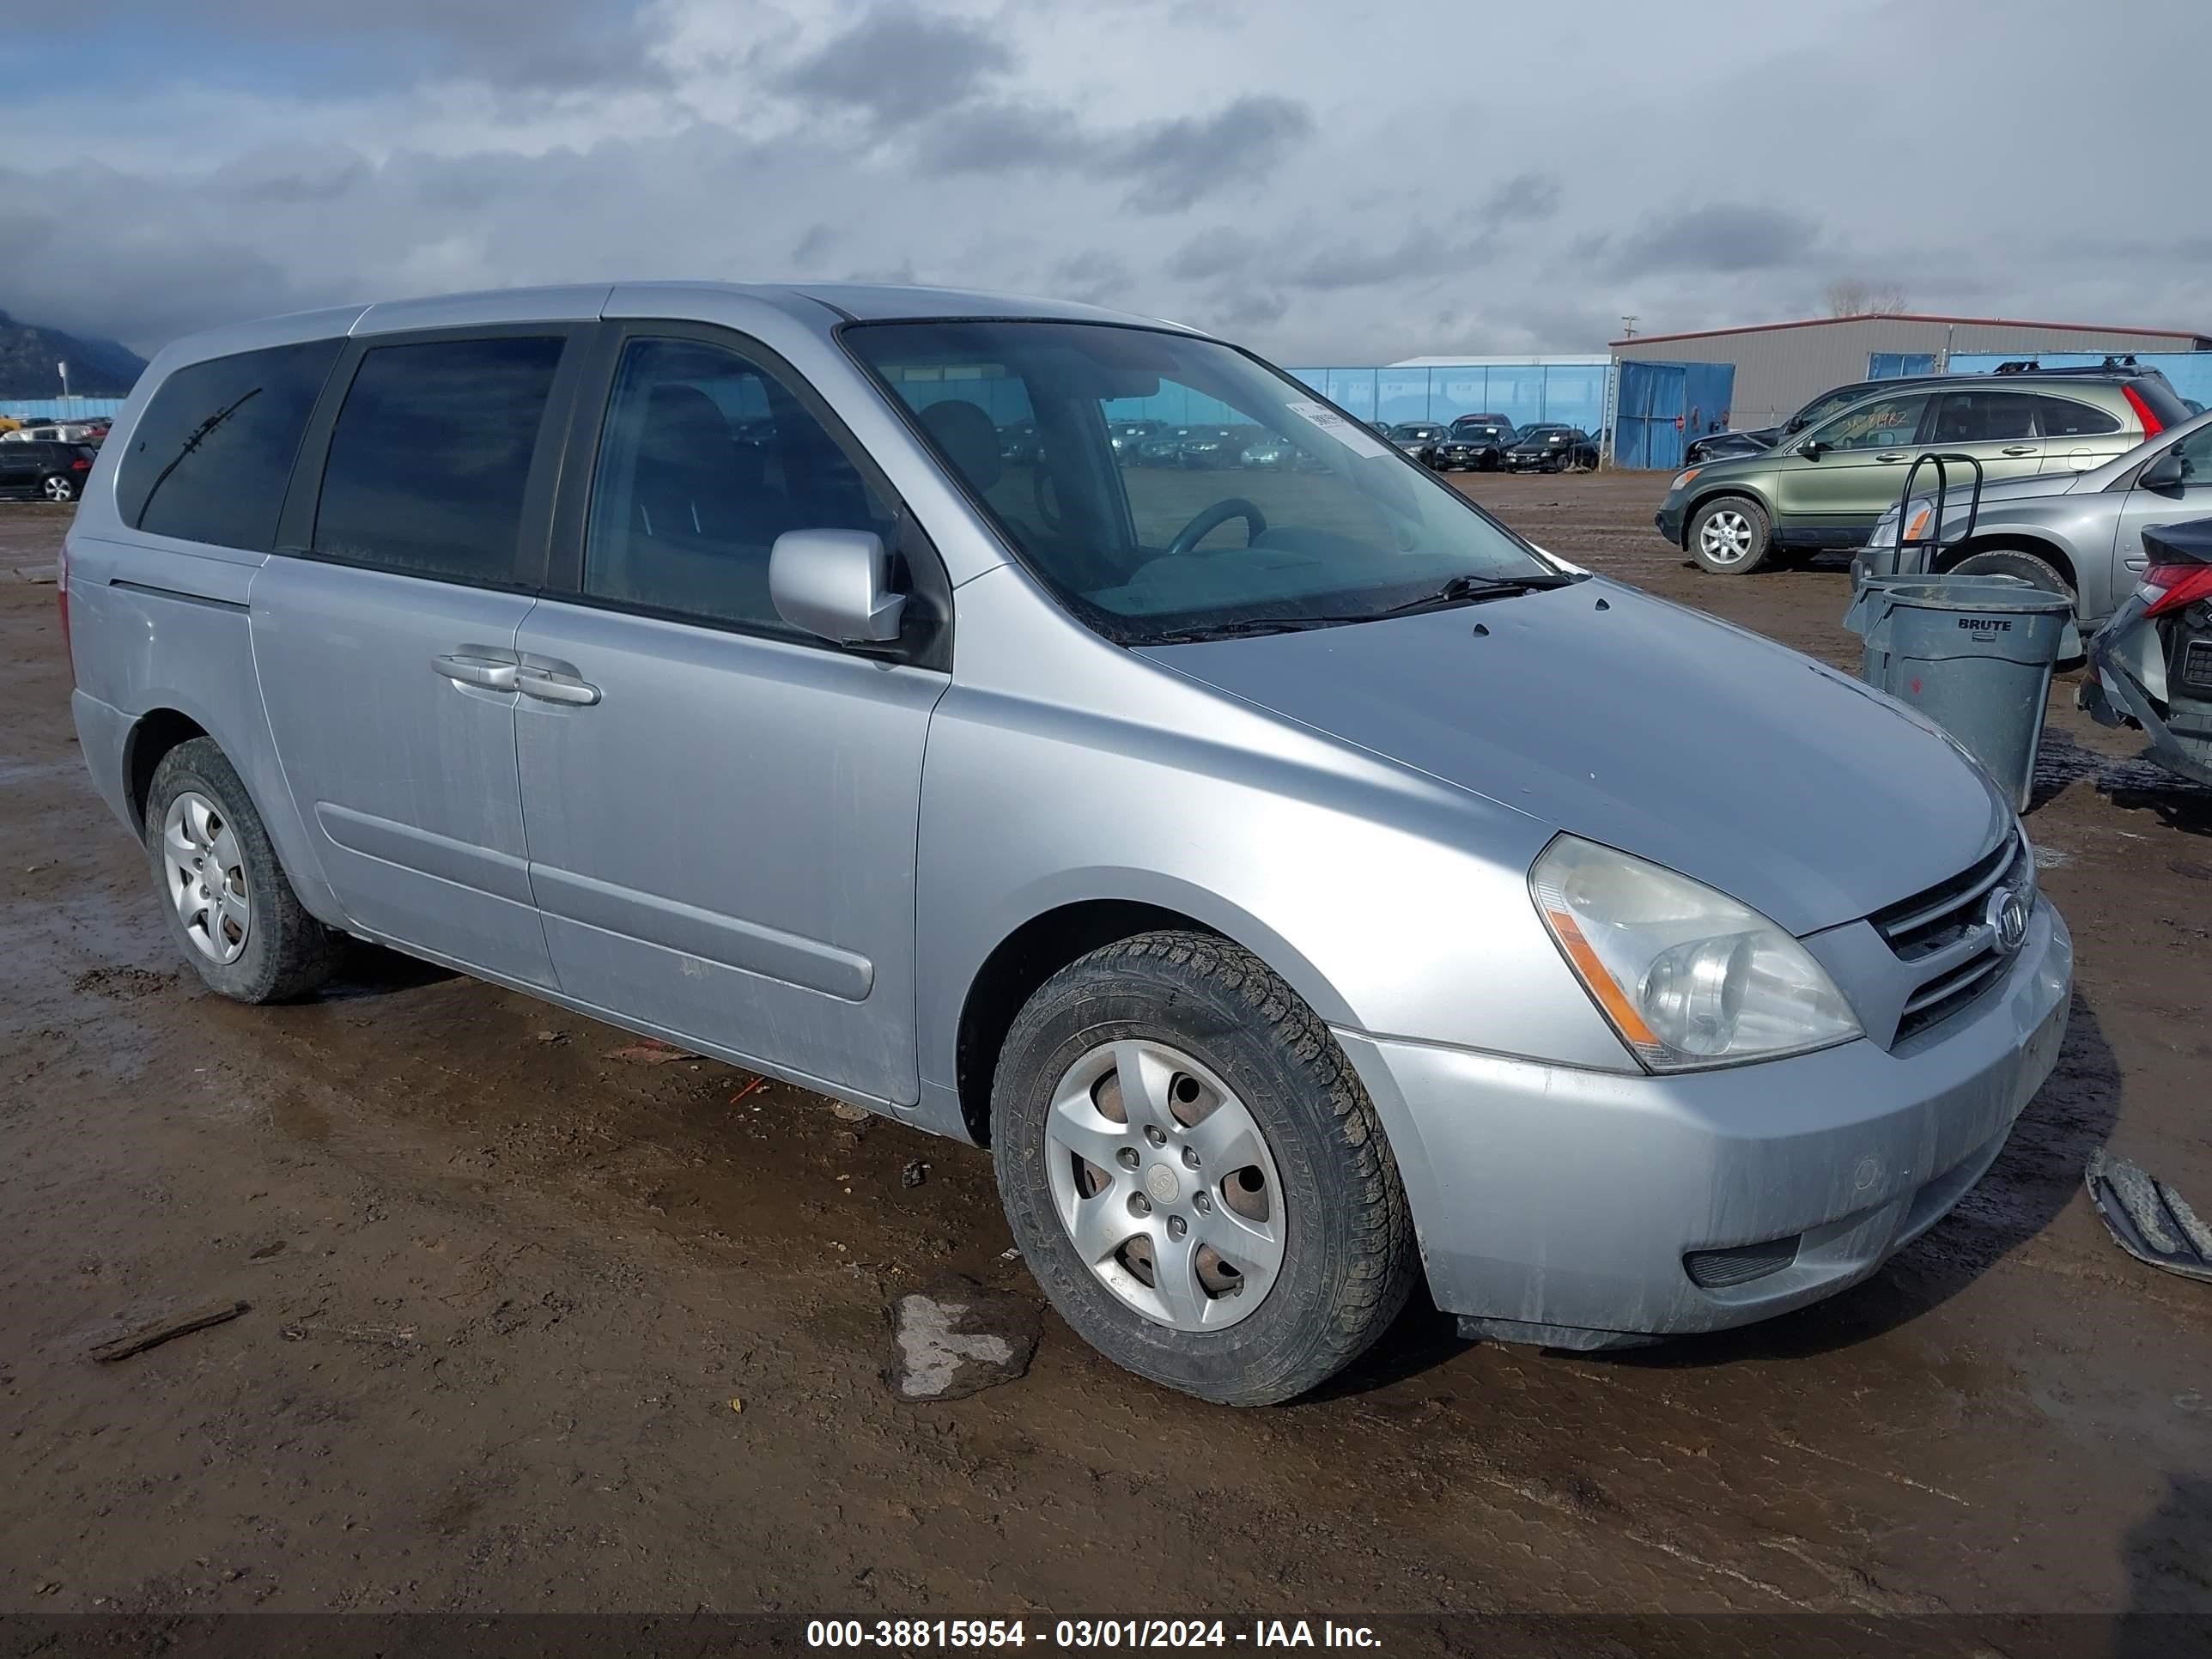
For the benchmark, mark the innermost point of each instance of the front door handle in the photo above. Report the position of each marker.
(488, 672)
(2018, 449)
(1889, 458)
(548, 686)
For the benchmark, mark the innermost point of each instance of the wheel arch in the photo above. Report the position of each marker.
(2014, 541)
(152, 736)
(1037, 948)
(1705, 498)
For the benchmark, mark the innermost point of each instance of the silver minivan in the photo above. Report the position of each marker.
(1301, 883)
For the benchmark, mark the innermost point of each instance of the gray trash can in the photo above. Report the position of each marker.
(1973, 653)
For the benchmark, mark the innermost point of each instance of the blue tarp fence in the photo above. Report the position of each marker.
(2189, 372)
(1662, 406)
(1573, 394)
(59, 409)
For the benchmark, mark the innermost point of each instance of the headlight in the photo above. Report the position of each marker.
(1681, 479)
(1918, 513)
(1687, 976)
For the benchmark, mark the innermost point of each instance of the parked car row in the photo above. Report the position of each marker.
(66, 432)
(1846, 456)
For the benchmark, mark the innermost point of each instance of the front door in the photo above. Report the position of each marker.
(1856, 473)
(721, 810)
(2146, 509)
(386, 648)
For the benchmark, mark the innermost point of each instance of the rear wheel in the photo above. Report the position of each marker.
(1729, 536)
(58, 487)
(1195, 1173)
(225, 899)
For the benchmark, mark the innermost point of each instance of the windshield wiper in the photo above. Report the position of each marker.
(1460, 590)
(1473, 590)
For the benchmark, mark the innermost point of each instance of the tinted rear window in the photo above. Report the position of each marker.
(210, 459)
(431, 454)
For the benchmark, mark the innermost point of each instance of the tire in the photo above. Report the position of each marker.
(1728, 522)
(2012, 561)
(1199, 1012)
(270, 950)
(58, 487)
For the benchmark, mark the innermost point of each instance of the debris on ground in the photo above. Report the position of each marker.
(651, 1052)
(2151, 1221)
(736, 1405)
(957, 1339)
(550, 1036)
(155, 1332)
(757, 1083)
(914, 1174)
(845, 1112)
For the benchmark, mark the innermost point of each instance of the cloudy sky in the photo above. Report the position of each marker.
(1328, 182)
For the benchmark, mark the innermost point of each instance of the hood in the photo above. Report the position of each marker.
(1648, 727)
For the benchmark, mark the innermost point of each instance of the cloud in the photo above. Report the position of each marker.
(1526, 199)
(897, 64)
(1174, 163)
(1161, 167)
(1722, 237)
(537, 46)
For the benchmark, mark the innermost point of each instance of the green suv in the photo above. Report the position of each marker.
(1825, 488)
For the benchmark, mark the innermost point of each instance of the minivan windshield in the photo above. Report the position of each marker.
(1169, 543)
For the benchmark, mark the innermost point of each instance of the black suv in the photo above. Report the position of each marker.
(43, 469)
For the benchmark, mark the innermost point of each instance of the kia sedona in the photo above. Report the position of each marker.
(1303, 887)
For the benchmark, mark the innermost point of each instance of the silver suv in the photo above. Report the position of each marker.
(1301, 883)
(2076, 533)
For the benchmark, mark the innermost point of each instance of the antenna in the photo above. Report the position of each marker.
(1628, 327)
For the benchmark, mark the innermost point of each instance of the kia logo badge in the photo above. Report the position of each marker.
(2008, 919)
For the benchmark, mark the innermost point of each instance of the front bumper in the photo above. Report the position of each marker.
(1668, 521)
(1557, 1206)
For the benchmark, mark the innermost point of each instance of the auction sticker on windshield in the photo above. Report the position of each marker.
(1350, 434)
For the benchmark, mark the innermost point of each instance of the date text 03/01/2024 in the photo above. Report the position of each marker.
(916, 1633)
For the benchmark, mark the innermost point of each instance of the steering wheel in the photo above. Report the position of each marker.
(1211, 520)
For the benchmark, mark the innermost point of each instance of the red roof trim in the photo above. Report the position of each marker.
(1913, 317)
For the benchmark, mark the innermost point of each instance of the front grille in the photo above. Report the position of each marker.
(1717, 1270)
(1940, 917)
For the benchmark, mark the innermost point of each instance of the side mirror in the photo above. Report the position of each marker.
(2168, 472)
(835, 584)
(1811, 448)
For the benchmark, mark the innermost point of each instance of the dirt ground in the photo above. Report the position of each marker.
(505, 1289)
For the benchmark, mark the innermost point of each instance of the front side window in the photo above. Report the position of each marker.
(1327, 523)
(705, 457)
(1824, 405)
(1886, 423)
(431, 454)
(2196, 453)
(210, 459)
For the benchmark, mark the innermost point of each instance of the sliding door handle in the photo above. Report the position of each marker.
(488, 672)
(548, 686)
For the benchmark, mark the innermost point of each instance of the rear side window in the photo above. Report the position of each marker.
(2064, 418)
(210, 459)
(430, 456)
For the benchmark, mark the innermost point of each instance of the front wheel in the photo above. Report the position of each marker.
(1729, 536)
(1195, 1173)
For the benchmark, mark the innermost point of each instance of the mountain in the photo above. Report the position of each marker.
(29, 354)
